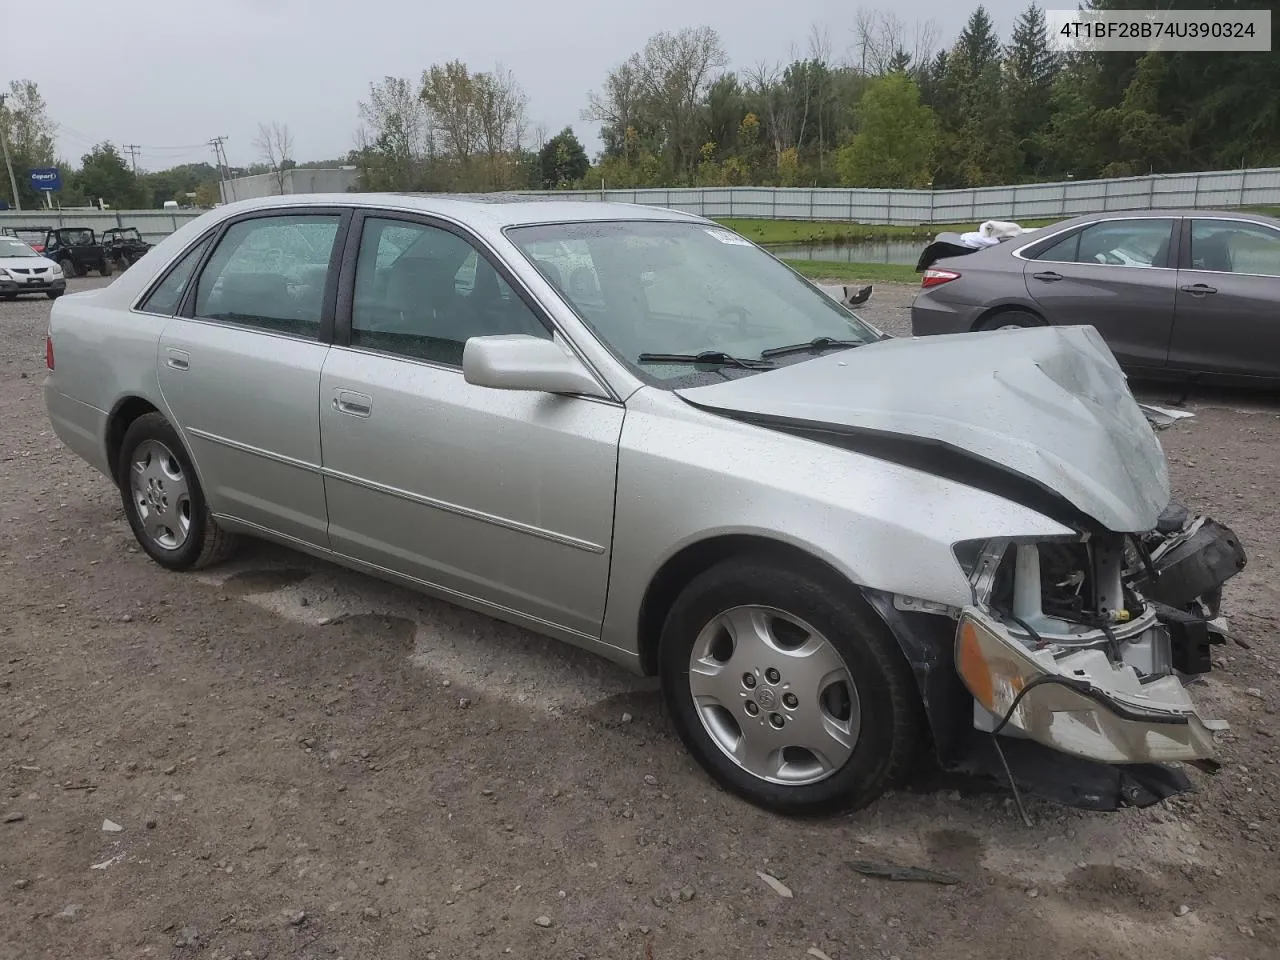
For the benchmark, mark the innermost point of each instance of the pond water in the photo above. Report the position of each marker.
(904, 252)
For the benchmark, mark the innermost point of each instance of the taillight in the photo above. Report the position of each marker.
(935, 278)
(48, 352)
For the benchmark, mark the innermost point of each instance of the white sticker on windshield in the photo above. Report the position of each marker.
(727, 236)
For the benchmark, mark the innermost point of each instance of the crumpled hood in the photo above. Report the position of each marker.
(1049, 404)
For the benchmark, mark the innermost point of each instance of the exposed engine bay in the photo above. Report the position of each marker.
(1082, 646)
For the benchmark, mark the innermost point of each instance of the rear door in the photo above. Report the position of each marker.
(1228, 305)
(1115, 275)
(240, 367)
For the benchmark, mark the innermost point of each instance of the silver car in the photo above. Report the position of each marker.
(636, 431)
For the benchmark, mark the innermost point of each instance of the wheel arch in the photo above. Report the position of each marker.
(1013, 307)
(925, 641)
(123, 414)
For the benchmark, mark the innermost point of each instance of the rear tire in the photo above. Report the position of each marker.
(163, 499)
(821, 715)
(1011, 320)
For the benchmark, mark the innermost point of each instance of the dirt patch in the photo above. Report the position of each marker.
(309, 763)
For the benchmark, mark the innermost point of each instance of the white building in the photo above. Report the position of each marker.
(324, 180)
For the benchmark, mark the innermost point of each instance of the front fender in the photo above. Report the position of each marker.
(685, 475)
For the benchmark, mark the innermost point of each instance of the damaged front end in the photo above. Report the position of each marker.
(1079, 645)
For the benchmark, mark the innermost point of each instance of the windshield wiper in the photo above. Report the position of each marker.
(717, 357)
(814, 345)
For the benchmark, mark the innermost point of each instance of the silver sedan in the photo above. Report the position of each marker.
(638, 432)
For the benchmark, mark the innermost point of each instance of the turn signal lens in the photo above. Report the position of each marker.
(994, 674)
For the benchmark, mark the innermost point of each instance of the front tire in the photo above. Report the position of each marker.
(163, 499)
(69, 268)
(787, 688)
(105, 268)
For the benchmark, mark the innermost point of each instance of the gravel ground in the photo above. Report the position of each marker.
(194, 765)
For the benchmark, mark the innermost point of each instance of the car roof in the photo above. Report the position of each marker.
(1160, 214)
(495, 211)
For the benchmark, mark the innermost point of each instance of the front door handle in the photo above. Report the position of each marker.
(1198, 289)
(1047, 276)
(352, 404)
(178, 359)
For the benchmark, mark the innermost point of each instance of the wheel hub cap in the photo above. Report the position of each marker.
(774, 695)
(161, 495)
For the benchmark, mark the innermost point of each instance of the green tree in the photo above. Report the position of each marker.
(896, 140)
(977, 146)
(105, 176)
(562, 162)
(28, 132)
(1031, 67)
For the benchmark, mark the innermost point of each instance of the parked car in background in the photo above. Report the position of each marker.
(77, 251)
(1175, 294)
(23, 271)
(634, 430)
(31, 236)
(124, 246)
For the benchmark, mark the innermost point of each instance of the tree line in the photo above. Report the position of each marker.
(896, 109)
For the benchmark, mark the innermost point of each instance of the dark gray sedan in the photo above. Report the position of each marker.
(1174, 293)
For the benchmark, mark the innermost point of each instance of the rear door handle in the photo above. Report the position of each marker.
(352, 404)
(178, 359)
(1198, 289)
(1047, 276)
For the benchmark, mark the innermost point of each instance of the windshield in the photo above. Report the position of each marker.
(670, 287)
(9, 247)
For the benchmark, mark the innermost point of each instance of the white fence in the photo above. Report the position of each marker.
(1227, 188)
(1212, 190)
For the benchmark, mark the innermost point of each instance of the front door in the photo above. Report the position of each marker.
(1116, 276)
(1228, 314)
(498, 496)
(240, 369)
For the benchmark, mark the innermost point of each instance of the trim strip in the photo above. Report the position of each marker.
(327, 473)
(256, 451)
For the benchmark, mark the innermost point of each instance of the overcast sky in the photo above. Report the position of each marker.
(170, 74)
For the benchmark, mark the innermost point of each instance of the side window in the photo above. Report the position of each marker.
(1227, 246)
(422, 292)
(164, 299)
(1064, 251)
(270, 273)
(1126, 243)
(1117, 243)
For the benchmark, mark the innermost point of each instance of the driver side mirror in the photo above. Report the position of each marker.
(521, 362)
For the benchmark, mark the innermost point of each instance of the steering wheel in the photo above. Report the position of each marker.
(704, 331)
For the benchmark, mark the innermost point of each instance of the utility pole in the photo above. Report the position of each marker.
(224, 168)
(4, 147)
(132, 149)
